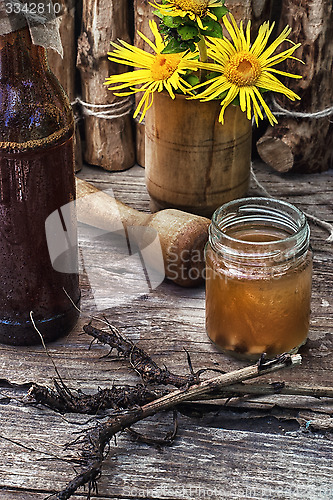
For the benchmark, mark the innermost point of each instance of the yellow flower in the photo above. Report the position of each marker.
(246, 68)
(156, 71)
(194, 9)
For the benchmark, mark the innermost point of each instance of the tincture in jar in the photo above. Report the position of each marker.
(259, 275)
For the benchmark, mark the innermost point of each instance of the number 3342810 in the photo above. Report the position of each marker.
(33, 8)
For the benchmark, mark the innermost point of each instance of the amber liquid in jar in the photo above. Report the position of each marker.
(257, 304)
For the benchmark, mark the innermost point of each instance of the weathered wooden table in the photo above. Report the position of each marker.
(272, 447)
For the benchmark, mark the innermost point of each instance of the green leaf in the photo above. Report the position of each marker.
(214, 29)
(186, 21)
(192, 80)
(158, 14)
(209, 23)
(173, 47)
(172, 22)
(188, 45)
(223, 95)
(187, 32)
(212, 34)
(236, 101)
(219, 12)
(212, 74)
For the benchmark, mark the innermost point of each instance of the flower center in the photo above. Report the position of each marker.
(198, 7)
(243, 69)
(164, 66)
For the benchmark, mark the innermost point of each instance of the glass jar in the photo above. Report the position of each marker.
(258, 278)
(36, 180)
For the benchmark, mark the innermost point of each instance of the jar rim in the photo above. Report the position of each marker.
(276, 213)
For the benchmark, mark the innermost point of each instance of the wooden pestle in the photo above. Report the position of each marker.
(182, 235)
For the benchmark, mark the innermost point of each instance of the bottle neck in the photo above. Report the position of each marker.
(18, 54)
(34, 109)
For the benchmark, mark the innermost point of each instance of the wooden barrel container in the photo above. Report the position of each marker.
(193, 162)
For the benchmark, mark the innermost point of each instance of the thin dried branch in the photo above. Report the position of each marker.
(97, 440)
(65, 401)
(237, 390)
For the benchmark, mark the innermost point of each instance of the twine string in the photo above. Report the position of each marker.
(296, 114)
(112, 111)
(313, 218)
(124, 107)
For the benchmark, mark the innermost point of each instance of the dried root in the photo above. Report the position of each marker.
(139, 359)
(139, 402)
(97, 440)
(62, 399)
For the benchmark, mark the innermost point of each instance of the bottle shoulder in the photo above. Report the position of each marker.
(33, 107)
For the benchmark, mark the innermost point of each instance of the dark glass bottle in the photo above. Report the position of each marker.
(36, 179)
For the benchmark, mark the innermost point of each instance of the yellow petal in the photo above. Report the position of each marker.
(256, 108)
(158, 37)
(274, 45)
(248, 106)
(260, 42)
(284, 73)
(242, 98)
(279, 57)
(144, 98)
(233, 91)
(269, 114)
(149, 42)
(230, 28)
(269, 82)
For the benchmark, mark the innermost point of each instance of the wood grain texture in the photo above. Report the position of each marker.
(65, 68)
(256, 11)
(219, 155)
(305, 144)
(143, 13)
(109, 142)
(251, 448)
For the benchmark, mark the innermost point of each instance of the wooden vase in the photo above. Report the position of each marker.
(193, 162)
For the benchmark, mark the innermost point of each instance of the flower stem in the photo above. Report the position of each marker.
(202, 49)
(203, 56)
